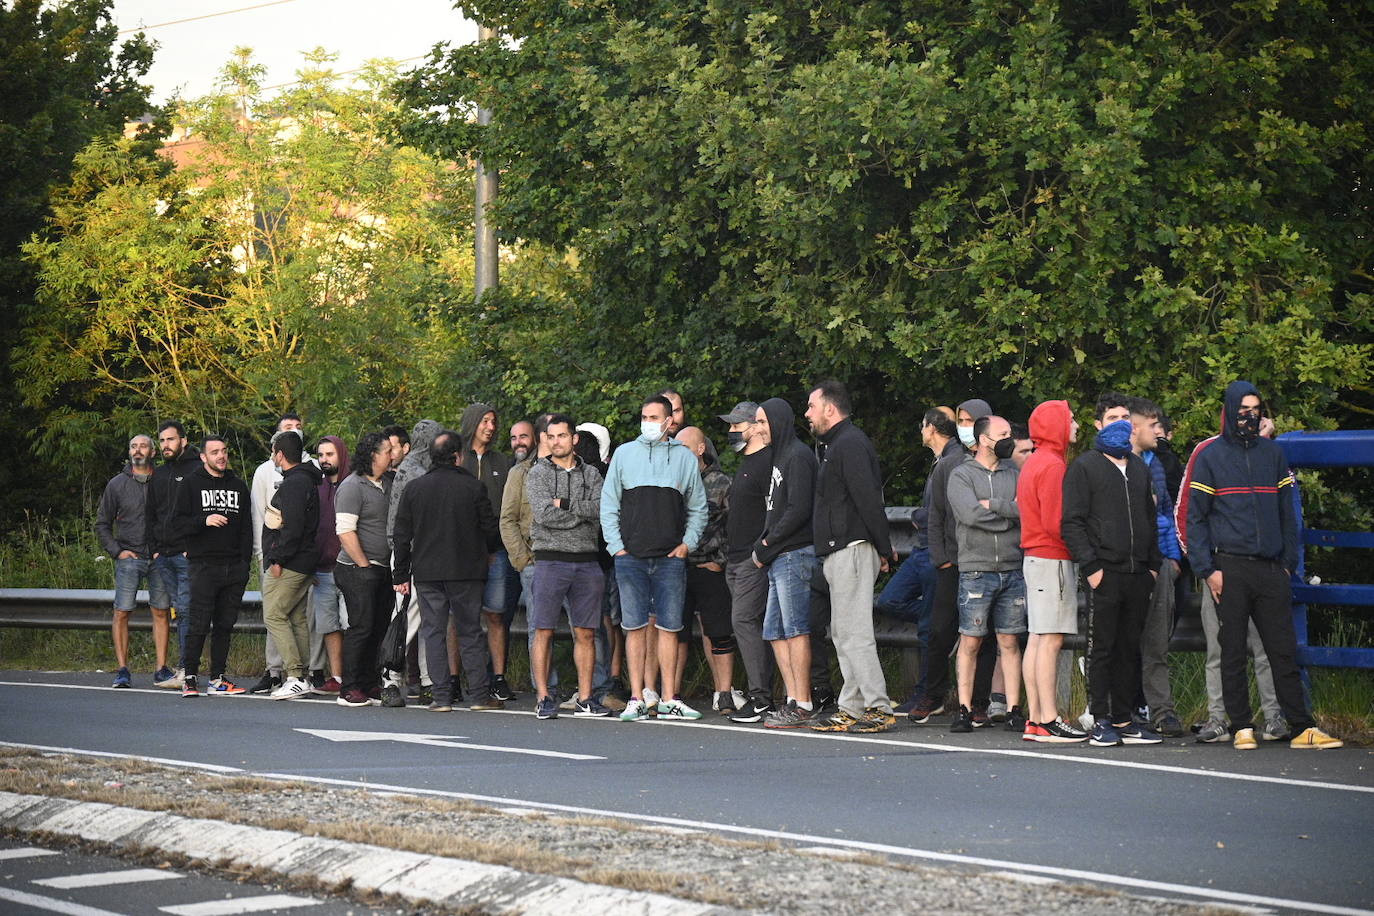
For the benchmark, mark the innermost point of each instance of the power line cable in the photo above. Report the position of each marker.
(242, 9)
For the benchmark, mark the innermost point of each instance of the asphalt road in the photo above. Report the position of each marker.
(1274, 828)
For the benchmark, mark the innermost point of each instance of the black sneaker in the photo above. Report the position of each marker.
(500, 689)
(1169, 726)
(752, 711)
(963, 721)
(265, 684)
(980, 716)
(391, 697)
(925, 710)
(425, 695)
(316, 679)
(1016, 722)
(824, 700)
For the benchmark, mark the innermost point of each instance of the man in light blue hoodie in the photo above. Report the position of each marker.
(653, 511)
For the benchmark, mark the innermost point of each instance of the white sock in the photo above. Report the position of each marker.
(805, 706)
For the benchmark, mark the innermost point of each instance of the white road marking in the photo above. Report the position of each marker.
(29, 852)
(330, 734)
(192, 764)
(108, 878)
(52, 904)
(1067, 756)
(240, 905)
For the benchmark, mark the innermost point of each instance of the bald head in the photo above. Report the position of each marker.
(693, 438)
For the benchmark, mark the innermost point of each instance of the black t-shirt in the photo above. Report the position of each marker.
(749, 489)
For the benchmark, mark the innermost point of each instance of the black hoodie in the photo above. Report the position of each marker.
(1240, 496)
(163, 496)
(791, 489)
(849, 493)
(201, 495)
(292, 546)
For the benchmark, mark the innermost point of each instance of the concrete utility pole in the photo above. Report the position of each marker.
(486, 248)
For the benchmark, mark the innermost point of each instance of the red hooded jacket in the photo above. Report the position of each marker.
(1040, 490)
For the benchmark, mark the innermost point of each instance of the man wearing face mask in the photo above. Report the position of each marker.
(1243, 544)
(748, 582)
(992, 589)
(1109, 527)
(944, 556)
(653, 511)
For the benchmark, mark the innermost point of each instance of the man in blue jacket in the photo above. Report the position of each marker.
(1243, 543)
(653, 510)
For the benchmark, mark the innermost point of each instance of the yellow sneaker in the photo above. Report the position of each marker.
(1315, 739)
(1244, 740)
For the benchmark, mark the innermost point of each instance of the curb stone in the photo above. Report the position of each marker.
(422, 879)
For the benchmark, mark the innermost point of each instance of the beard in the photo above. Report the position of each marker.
(328, 469)
(521, 454)
(142, 461)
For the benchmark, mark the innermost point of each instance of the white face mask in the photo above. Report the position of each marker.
(966, 436)
(650, 431)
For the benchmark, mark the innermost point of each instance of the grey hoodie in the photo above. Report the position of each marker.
(121, 522)
(413, 466)
(989, 539)
(570, 534)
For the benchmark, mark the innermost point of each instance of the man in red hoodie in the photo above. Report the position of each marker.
(1051, 580)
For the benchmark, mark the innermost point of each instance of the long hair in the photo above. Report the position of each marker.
(365, 450)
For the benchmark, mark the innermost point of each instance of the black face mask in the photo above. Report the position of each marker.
(1247, 426)
(736, 440)
(1003, 448)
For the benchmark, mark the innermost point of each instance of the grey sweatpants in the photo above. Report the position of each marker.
(748, 599)
(1154, 644)
(1264, 679)
(851, 573)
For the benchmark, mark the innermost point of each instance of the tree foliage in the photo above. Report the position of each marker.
(296, 258)
(933, 200)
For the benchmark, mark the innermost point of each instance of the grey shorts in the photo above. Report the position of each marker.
(326, 604)
(1051, 595)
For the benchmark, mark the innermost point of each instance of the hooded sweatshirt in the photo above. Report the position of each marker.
(326, 538)
(1109, 512)
(201, 495)
(1240, 497)
(121, 521)
(490, 467)
(413, 466)
(653, 499)
(989, 539)
(1040, 489)
(569, 533)
(292, 546)
(164, 493)
(787, 521)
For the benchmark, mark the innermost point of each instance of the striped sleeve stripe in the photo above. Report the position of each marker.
(1235, 491)
(1286, 482)
(1201, 487)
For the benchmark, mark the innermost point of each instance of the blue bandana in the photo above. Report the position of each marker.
(1114, 439)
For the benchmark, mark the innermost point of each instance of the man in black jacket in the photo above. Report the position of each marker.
(849, 526)
(170, 568)
(1243, 544)
(289, 553)
(445, 530)
(213, 518)
(1109, 528)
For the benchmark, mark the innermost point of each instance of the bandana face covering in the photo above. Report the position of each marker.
(1114, 439)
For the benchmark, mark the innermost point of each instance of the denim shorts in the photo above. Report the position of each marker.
(655, 587)
(494, 593)
(327, 605)
(170, 579)
(788, 612)
(998, 598)
(128, 573)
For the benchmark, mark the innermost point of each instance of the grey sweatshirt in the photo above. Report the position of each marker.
(989, 539)
(121, 520)
(568, 534)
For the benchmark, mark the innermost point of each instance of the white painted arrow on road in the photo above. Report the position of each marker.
(330, 734)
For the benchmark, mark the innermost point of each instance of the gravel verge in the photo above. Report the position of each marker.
(763, 876)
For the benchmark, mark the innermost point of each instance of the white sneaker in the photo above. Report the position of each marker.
(650, 698)
(291, 688)
(634, 711)
(738, 697)
(676, 709)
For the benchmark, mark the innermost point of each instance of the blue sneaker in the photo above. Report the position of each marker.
(1136, 733)
(164, 676)
(1104, 734)
(546, 708)
(122, 678)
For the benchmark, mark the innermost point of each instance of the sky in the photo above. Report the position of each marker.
(190, 54)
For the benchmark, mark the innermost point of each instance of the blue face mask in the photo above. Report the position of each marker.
(1114, 439)
(650, 432)
(966, 436)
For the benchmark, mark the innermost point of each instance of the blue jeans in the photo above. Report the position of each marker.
(788, 612)
(909, 597)
(494, 592)
(996, 599)
(654, 587)
(175, 572)
(128, 573)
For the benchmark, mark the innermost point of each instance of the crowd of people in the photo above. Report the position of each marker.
(777, 565)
